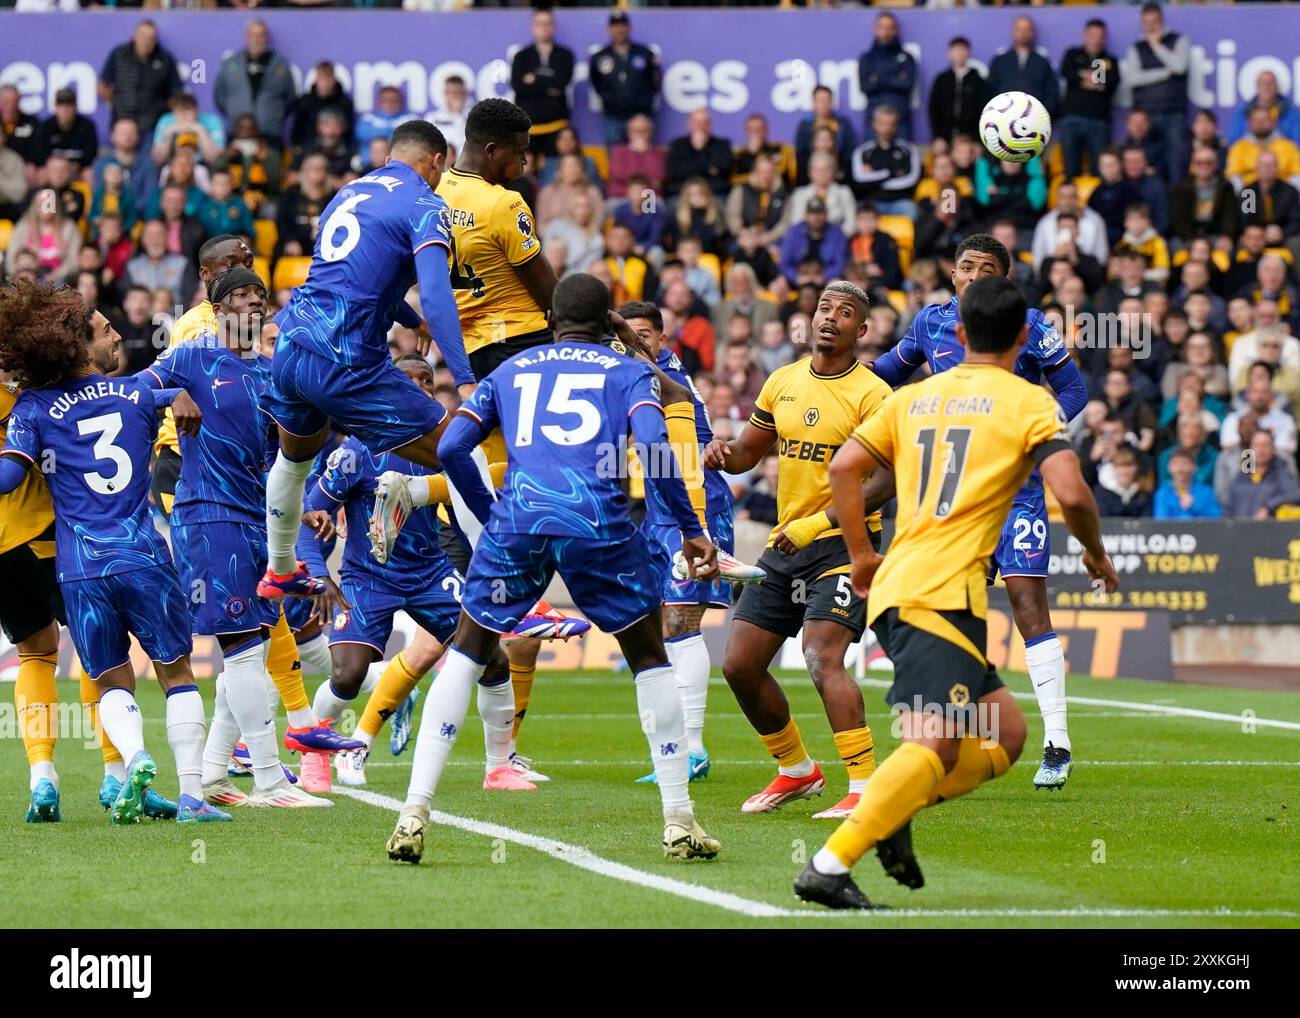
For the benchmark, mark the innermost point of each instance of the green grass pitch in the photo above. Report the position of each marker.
(1169, 820)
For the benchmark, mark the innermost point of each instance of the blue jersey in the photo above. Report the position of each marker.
(717, 494)
(932, 339)
(223, 466)
(363, 264)
(92, 438)
(564, 410)
(417, 561)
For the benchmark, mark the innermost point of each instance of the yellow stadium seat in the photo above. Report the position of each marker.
(710, 262)
(266, 236)
(290, 272)
(6, 230)
(1288, 512)
(902, 229)
(898, 300)
(262, 266)
(1086, 185)
(598, 155)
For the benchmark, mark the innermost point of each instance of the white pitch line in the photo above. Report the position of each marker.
(584, 858)
(1166, 709)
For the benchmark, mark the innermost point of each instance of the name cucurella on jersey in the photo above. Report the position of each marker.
(96, 390)
(569, 353)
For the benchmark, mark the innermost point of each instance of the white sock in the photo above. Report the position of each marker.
(285, 484)
(857, 786)
(445, 707)
(120, 716)
(185, 736)
(223, 733)
(328, 703)
(664, 725)
(363, 736)
(245, 677)
(1046, 663)
(44, 770)
(799, 770)
(115, 769)
(373, 674)
(826, 861)
(690, 660)
(315, 657)
(496, 706)
(418, 488)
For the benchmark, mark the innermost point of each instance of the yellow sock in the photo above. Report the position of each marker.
(521, 679)
(975, 765)
(36, 699)
(285, 668)
(494, 447)
(858, 753)
(90, 700)
(899, 789)
(394, 686)
(786, 745)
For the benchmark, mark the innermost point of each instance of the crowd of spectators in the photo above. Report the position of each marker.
(1184, 233)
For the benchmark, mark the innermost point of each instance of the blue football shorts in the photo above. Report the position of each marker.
(105, 612)
(611, 580)
(220, 564)
(377, 403)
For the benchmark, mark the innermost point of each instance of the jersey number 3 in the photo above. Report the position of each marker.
(954, 464)
(105, 428)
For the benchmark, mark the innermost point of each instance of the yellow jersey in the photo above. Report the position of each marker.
(27, 511)
(961, 444)
(197, 320)
(812, 415)
(492, 232)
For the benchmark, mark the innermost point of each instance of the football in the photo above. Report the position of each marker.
(1015, 126)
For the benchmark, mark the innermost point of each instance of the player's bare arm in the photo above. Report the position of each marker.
(847, 469)
(1062, 474)
(741, 453)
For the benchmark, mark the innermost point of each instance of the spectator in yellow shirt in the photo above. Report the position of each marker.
(1263, 137)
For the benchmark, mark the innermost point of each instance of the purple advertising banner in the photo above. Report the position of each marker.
(733, 61)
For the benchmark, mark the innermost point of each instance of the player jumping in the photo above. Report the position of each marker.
(564, 410)
(1023, 551)
(960, 445)
(331, 362)
(92, 437)
(807, 409)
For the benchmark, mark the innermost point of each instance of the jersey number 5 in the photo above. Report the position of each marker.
(957, 441)
(105, 428)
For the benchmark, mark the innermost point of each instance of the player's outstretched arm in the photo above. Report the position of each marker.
(741, 453)
(1061, 472)
(463, 435)
(433, 267)
(849, 466)
(1071, 390)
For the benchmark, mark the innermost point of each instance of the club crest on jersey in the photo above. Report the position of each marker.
(811, 416)
(618, 347)
(236, 606)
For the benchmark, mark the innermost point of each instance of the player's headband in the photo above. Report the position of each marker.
(230, 281)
